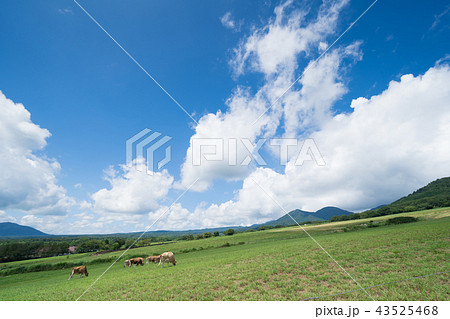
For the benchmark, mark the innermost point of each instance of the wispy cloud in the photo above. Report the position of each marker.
(65, 11)
(229, 23)
(438, 17)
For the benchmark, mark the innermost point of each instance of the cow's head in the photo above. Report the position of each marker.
(174, 263)
(87, 274)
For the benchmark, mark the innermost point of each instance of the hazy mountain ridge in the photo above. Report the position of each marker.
(435, 194)
(301, 216)
(15, 230)
(9, 229)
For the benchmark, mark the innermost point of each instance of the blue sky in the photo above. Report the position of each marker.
(90, 96)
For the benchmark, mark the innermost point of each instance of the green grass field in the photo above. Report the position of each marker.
(277, 264)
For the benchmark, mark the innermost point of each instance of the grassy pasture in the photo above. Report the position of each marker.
(277, 264)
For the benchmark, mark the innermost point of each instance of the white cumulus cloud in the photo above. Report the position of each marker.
(390, 145)
(132, 192)
(272, 50)
(28, 181)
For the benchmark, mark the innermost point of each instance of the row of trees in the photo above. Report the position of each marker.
(21, 249)
(228, 232)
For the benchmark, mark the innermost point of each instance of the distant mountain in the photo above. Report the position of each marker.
(15, 230)
(301, 216)
(327, 212)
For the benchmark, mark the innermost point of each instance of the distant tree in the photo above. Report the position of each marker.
(115, 246)
(265, 227)
(229, 232)
(207, 234)
(199, 236)
(216, 234)
(121, 241)
(128, 242)
(187, 237)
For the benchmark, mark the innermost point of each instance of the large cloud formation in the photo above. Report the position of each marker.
(28, 181)
(272, 51)
(390, 145)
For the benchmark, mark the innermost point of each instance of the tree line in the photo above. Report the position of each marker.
(21, 249)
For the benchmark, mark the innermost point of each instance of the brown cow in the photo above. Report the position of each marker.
(137, 261)
(168, 258)
(82, 270)
(153, 259)
(127, 263)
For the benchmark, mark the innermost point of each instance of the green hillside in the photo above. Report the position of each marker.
(436, 194)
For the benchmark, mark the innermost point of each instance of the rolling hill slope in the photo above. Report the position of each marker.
(435, 194)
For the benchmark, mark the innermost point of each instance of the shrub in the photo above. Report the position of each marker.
(229, 232)
(264, 227)
(401, 220)
(187, 237)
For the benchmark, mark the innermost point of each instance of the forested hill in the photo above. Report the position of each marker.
(436, 194)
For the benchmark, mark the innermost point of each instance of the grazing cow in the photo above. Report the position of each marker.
(153, 259)
(127, 263)
(80, 270)
(168, 258)
(137, 261)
